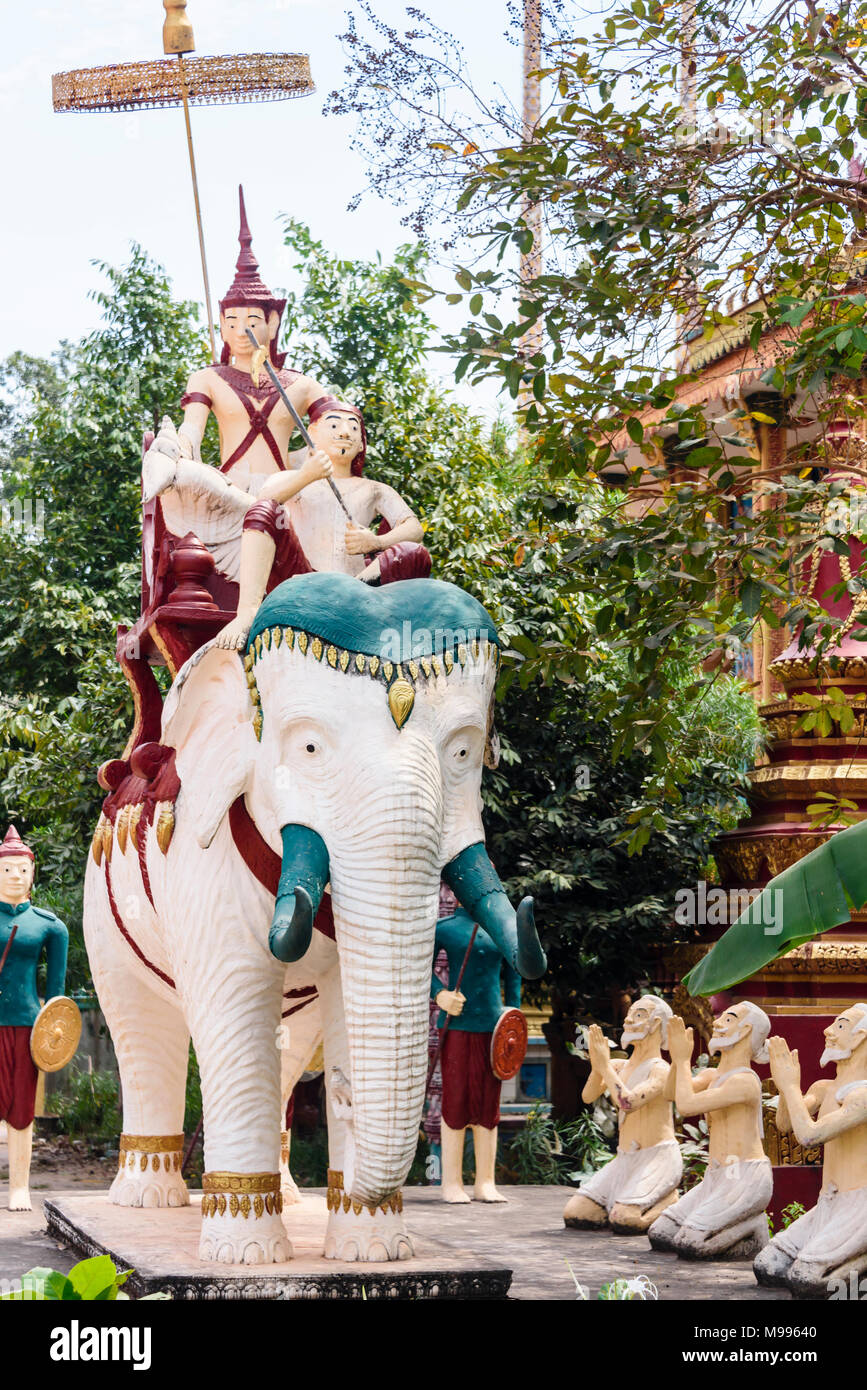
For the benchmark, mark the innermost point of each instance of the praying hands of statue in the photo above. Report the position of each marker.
(785, 1066)
(680, 1041)
(598, 1049)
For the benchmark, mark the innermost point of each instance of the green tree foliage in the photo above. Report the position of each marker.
(65, 707)
(70, 449)
(562, 819)
(657, 202)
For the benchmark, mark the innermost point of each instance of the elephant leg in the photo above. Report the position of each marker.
(354, 1231)
(234, 1013)
(300, 1038)
(152, 1046)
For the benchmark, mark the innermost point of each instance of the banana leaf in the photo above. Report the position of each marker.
(819, 892)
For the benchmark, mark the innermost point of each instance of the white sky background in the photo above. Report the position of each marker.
(81, 187)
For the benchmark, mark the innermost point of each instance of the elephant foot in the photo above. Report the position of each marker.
(19, 1200)
(355, 1232)
(230, 1240)
(149, 1172)
(241, 1221)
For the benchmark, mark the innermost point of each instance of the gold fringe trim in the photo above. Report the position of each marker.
(243, 1194)
(155, 1150)
(393, 673)
(337, 1200)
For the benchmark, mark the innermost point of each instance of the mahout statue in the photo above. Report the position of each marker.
(825, 1250)
(631, 1191)
(27, 934)
(470, 1086)
(723, 1216)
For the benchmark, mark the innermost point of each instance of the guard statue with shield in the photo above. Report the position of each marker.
(482, 1044)
(32, 1038)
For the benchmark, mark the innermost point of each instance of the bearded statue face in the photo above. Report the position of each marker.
(843, 1036)
(729, 1028)
(638, 1024)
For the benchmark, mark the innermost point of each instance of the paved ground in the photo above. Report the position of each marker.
(526, 1236)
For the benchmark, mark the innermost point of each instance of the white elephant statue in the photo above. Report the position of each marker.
(349, 741)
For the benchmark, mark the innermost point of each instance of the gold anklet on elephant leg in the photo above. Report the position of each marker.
(244, 1194)
(157, 1152)
(337, 1198)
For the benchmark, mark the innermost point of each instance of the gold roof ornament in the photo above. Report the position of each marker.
(225, 79)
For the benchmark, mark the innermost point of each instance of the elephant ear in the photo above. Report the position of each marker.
(207, 718)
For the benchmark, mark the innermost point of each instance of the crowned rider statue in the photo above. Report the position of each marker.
(266, 515)
(26, 934)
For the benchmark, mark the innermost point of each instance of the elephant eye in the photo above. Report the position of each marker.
(311, 747)
(464, 746)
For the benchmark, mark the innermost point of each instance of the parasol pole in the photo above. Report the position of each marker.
(178, 39)
(445, 1027)
(208, 314)
(145, 85)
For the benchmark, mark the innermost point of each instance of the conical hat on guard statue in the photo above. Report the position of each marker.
(508, 1044)
(55, 1035)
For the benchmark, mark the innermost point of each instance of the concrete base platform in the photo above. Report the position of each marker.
(161, 1246)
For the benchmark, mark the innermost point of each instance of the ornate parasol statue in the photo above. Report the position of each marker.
(197, 81)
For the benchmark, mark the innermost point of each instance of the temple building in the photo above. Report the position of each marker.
(804, 990)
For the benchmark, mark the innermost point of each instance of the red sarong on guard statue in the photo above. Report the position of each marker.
(471, 1092)
(18, 1078)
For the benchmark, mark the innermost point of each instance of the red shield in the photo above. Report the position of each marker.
(508, 1044)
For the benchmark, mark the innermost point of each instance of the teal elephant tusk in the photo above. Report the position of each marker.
(303, 876)
(477, 887)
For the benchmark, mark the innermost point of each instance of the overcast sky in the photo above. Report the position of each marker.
(82, 187)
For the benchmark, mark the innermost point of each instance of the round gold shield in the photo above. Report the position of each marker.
(55, 1035)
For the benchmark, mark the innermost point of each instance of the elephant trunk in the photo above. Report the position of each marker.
(303, 876)
(385, 885)
(384, 936)
(477, 887)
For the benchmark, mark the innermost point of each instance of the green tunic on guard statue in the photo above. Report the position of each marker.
(38, 931)
(481, 983)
